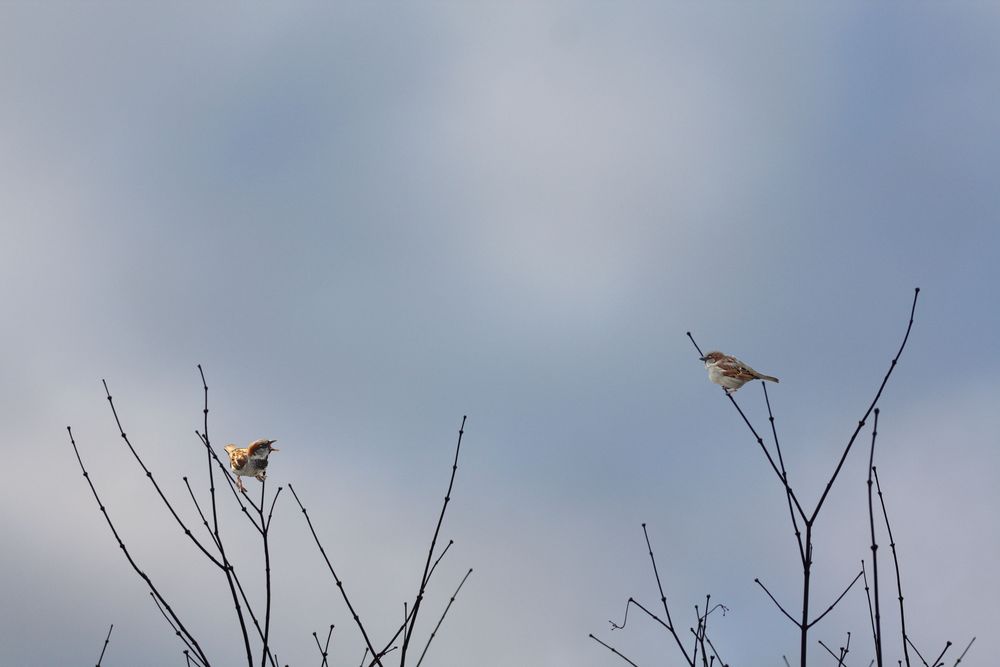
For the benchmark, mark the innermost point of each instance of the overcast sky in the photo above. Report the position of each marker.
(367, 220)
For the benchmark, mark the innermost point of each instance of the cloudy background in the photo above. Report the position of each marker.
(368, 220)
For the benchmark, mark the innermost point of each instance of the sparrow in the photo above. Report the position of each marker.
(250, 461)
(730, 372)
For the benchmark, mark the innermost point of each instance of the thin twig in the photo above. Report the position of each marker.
(443, 614)
(895, 560)
(633, 601)
(105, 648)
(128, 556)
(434, 566)
(874, 547)
(663, 599)
(340, 584)
(613, 650)
(266, 524)
(830, 651)
(778, 604)
(430, 552)
(967, 647)
(156, 486)
(716, 653)
(784, 475)
(878, 394)
(225, 565)
(839, 598)
(937, 661)
(324, 650)
(871, 609)
(915, 650)
(173, 627)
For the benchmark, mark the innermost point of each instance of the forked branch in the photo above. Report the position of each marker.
(430, 552)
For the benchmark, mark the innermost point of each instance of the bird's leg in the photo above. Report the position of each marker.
(239, 484)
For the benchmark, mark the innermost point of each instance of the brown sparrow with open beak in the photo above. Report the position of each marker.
(730, 372)
(250, 461)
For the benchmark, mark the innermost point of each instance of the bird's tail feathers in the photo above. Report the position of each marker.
(769, 378)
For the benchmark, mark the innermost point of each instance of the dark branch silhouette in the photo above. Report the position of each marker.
(324, 649)
(443, 614)
(663, 598)
(938, 660)
(784, 475)
(377, 657)
(405, 629)
(701, 640)
(105, 647)
(804, 522)
(430, 552)
(874, 547)
(214, 550)
(181, 629)
(895, 561)
(613, 650)
(841, 652)
(967, 647)
(809, 518)
(839, 598)
(778, 604)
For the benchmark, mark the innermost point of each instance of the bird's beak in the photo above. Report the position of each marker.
(272, 447)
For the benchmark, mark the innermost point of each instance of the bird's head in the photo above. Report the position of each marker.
(712, 357)
(262, 448)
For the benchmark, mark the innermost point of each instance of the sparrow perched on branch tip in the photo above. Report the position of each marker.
(250, 461)
(730, 372)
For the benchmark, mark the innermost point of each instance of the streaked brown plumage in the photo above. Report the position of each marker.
(730, 372)
(250, 461)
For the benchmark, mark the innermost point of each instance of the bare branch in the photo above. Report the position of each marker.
(874, 547)
(156, 486)
(430, 552)
(340, 584)
(830, 651)
(967, 647)
(871, 609)
(443, 614)
(187, 636)
(871, 407)
(914, 647)
(839, 598)
(895, 560)
(105, 648)
(613, 650)
(784, 475)
(325, 650)
(231, 580)
(778, 604)
(633, 601)
(663, 598)
(937, 661)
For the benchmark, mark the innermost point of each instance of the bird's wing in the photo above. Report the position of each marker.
(734, 368)
(238, 458)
